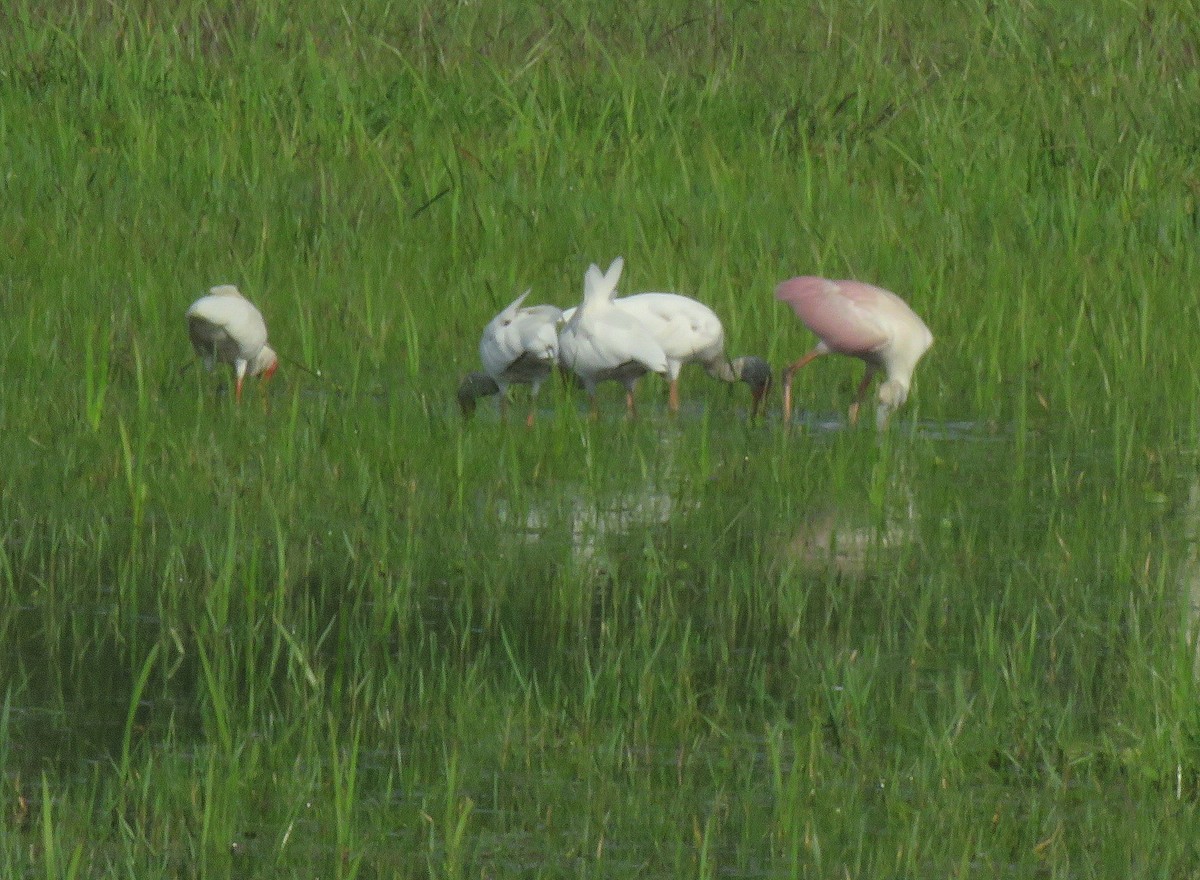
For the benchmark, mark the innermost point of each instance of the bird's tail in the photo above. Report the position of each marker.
(598, 286)
(510, 313)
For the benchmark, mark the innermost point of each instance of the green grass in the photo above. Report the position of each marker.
(343, 633)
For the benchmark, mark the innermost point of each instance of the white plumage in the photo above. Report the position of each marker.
(602, 342)
(225, 327)
(518, 347)
(690, 332)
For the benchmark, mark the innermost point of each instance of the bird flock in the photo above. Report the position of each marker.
(607, 338)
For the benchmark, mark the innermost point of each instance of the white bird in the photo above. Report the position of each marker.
(862, 321)
(518, 347)
(690, 332)
(602, 342)
(224, 326)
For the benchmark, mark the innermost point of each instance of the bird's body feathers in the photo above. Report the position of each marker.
(688, 331)
(225, 327)
(518, 347)
(602, 342)
(862, 321)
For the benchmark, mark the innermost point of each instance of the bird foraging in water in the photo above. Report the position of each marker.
(602, 342)
(690, 332)
(225, 327)
(862, 321)
(518, 347)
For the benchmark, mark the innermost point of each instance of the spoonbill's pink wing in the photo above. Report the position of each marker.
(839, 312)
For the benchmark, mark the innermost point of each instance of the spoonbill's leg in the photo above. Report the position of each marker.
(861, 393)
(787, 381)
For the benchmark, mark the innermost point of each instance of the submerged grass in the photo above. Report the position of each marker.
(338, 632)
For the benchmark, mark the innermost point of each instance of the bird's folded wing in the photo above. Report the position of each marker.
(839, 313)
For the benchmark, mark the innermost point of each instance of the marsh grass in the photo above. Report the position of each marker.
(336, 631)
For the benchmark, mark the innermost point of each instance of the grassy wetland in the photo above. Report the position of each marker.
(338, 632)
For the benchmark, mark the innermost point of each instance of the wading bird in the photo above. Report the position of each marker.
(224, 326)
(602, 342)
(863, 321)
(690, 332)
(518, 347)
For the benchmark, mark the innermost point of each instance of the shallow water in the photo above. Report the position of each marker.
(656, 643)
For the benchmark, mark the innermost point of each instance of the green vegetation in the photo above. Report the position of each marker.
(340, 633)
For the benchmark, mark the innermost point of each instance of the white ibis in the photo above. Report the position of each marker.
(862, 321)
(602, 342)
(225, 326)
(518, 347)
(690, 332)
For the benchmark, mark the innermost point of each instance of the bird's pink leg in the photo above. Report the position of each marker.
(787, 381)
(503, 407)
(673, 396)
(630, 410)
(861, 393)
(529, 418)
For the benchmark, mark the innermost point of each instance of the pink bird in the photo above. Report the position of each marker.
(225, 326)
(863, 321)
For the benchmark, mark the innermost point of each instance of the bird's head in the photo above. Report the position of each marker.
(265, 364)
(472, 387)
(756, 373)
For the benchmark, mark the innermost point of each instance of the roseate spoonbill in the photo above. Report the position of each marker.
(863, 321)
(518, 347)
(690, 332)
(225, 326)
(602, 342)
